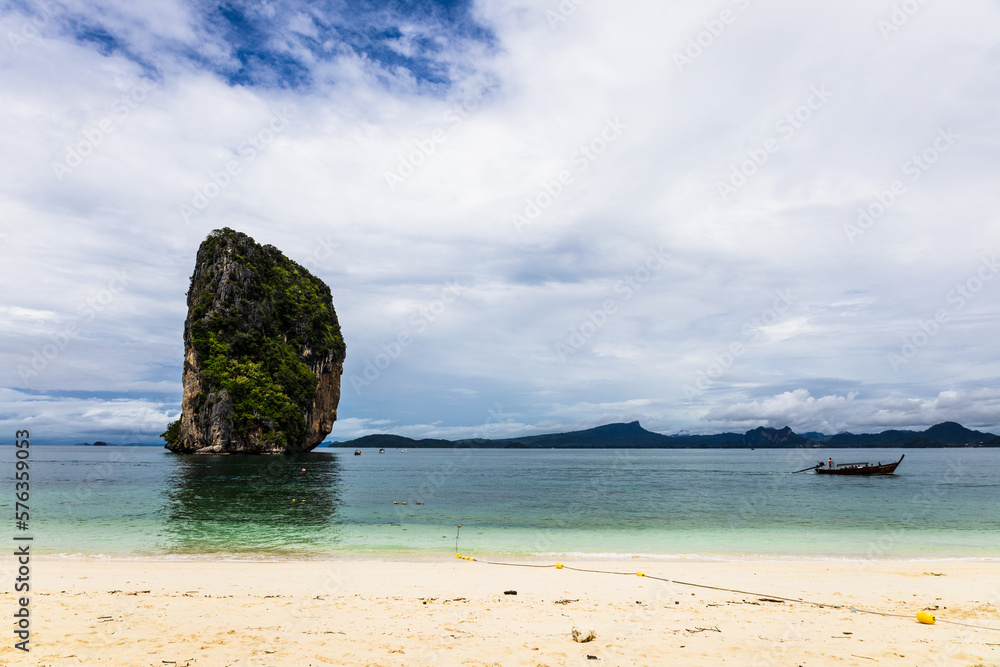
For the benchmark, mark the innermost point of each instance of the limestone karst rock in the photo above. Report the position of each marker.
(263, 353)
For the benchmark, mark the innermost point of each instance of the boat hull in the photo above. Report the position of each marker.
(883, 469)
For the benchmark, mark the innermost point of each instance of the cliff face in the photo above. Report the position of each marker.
(263, 353)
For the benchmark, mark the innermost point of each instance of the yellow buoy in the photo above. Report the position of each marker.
(640, 573)
(925, 617)
(458, 555)
(404, 502)
(395, 502)
(293, 500)
(558, 566)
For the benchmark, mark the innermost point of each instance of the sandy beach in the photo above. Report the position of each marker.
(456, 612)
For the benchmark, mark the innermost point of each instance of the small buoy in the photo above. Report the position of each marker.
(395, 502)
(558, 566)
(293, 500)
(925, 617)
(303, 470)
(640, 573)
(458, 555)
(404, 502)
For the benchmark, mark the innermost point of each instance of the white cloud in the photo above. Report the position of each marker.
(835, 413)
(63, 420)
(318, 191)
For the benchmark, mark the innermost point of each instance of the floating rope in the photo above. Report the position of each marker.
(859, 610)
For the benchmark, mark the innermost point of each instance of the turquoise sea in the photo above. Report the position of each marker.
(146, 502)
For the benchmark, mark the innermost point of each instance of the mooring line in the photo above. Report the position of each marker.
(860, 610)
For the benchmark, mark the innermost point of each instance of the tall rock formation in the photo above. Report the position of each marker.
(263, 353)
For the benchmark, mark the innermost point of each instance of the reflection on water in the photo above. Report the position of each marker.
(252, 504)
(144, 502)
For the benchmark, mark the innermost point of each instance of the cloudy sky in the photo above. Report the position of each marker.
(704, 216)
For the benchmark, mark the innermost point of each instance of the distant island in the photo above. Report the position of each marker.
(634, 436)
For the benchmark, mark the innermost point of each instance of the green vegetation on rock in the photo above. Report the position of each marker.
(173, 431)
(257, 321)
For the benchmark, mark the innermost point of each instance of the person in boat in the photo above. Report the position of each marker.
(831, 462)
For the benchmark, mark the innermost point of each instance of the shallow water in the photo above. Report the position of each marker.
(142, 501)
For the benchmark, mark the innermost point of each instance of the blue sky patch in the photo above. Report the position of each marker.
(279, 45)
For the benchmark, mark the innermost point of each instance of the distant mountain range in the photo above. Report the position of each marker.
(634, 436)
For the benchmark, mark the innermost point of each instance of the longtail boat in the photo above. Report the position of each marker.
(864, 468)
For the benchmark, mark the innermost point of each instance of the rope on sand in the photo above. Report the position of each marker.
(640, 573)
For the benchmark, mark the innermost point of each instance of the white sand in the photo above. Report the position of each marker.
(454, 612)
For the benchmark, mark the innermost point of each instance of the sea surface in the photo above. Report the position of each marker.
(141, 502)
